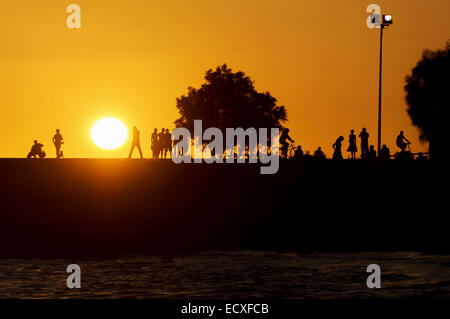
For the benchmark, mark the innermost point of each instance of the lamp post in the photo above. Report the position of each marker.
(386, 21)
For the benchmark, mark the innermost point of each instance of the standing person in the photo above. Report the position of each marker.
(136, 142)
(167, 143)
(58, 141)
(364, 136)
(163, 142)
(352, 148)
(161, 137)
(155, 147)
(337, 146)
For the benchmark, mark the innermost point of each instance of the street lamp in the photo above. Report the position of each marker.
(386, 21)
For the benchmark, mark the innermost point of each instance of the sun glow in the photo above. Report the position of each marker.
(109, 133)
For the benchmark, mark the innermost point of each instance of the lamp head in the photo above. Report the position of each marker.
(387, 20)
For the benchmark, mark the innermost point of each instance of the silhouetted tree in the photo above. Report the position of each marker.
(229, 99)
(427, 95)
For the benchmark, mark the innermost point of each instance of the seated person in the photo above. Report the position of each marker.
(318, 154)
(283, 141)
(385, 153)
(36, 150)
(402, 142)
(372, 153)
(298, 153)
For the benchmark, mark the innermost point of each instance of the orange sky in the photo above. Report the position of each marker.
(131, 59)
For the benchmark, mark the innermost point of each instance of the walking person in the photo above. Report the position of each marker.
(58, 141)
(136, 142)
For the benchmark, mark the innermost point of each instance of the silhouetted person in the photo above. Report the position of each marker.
(337, 146)
(167, 142)
(161, 142)
(372, 153)
(402, 142)
(385, 153)
(136, 142)
(318, 154)
(58, 141)
(155, 146)
(364, 136)
(352, 148)
(298, 155)
(36, 150)
(283, 141)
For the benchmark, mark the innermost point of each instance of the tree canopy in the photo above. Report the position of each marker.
(229, 99)
(427, 95)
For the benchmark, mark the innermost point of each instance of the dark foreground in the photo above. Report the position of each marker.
(99, 207)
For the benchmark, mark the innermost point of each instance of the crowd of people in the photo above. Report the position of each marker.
(367, 152)
(162, 145)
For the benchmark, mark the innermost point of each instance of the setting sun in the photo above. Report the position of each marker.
(109, 133)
